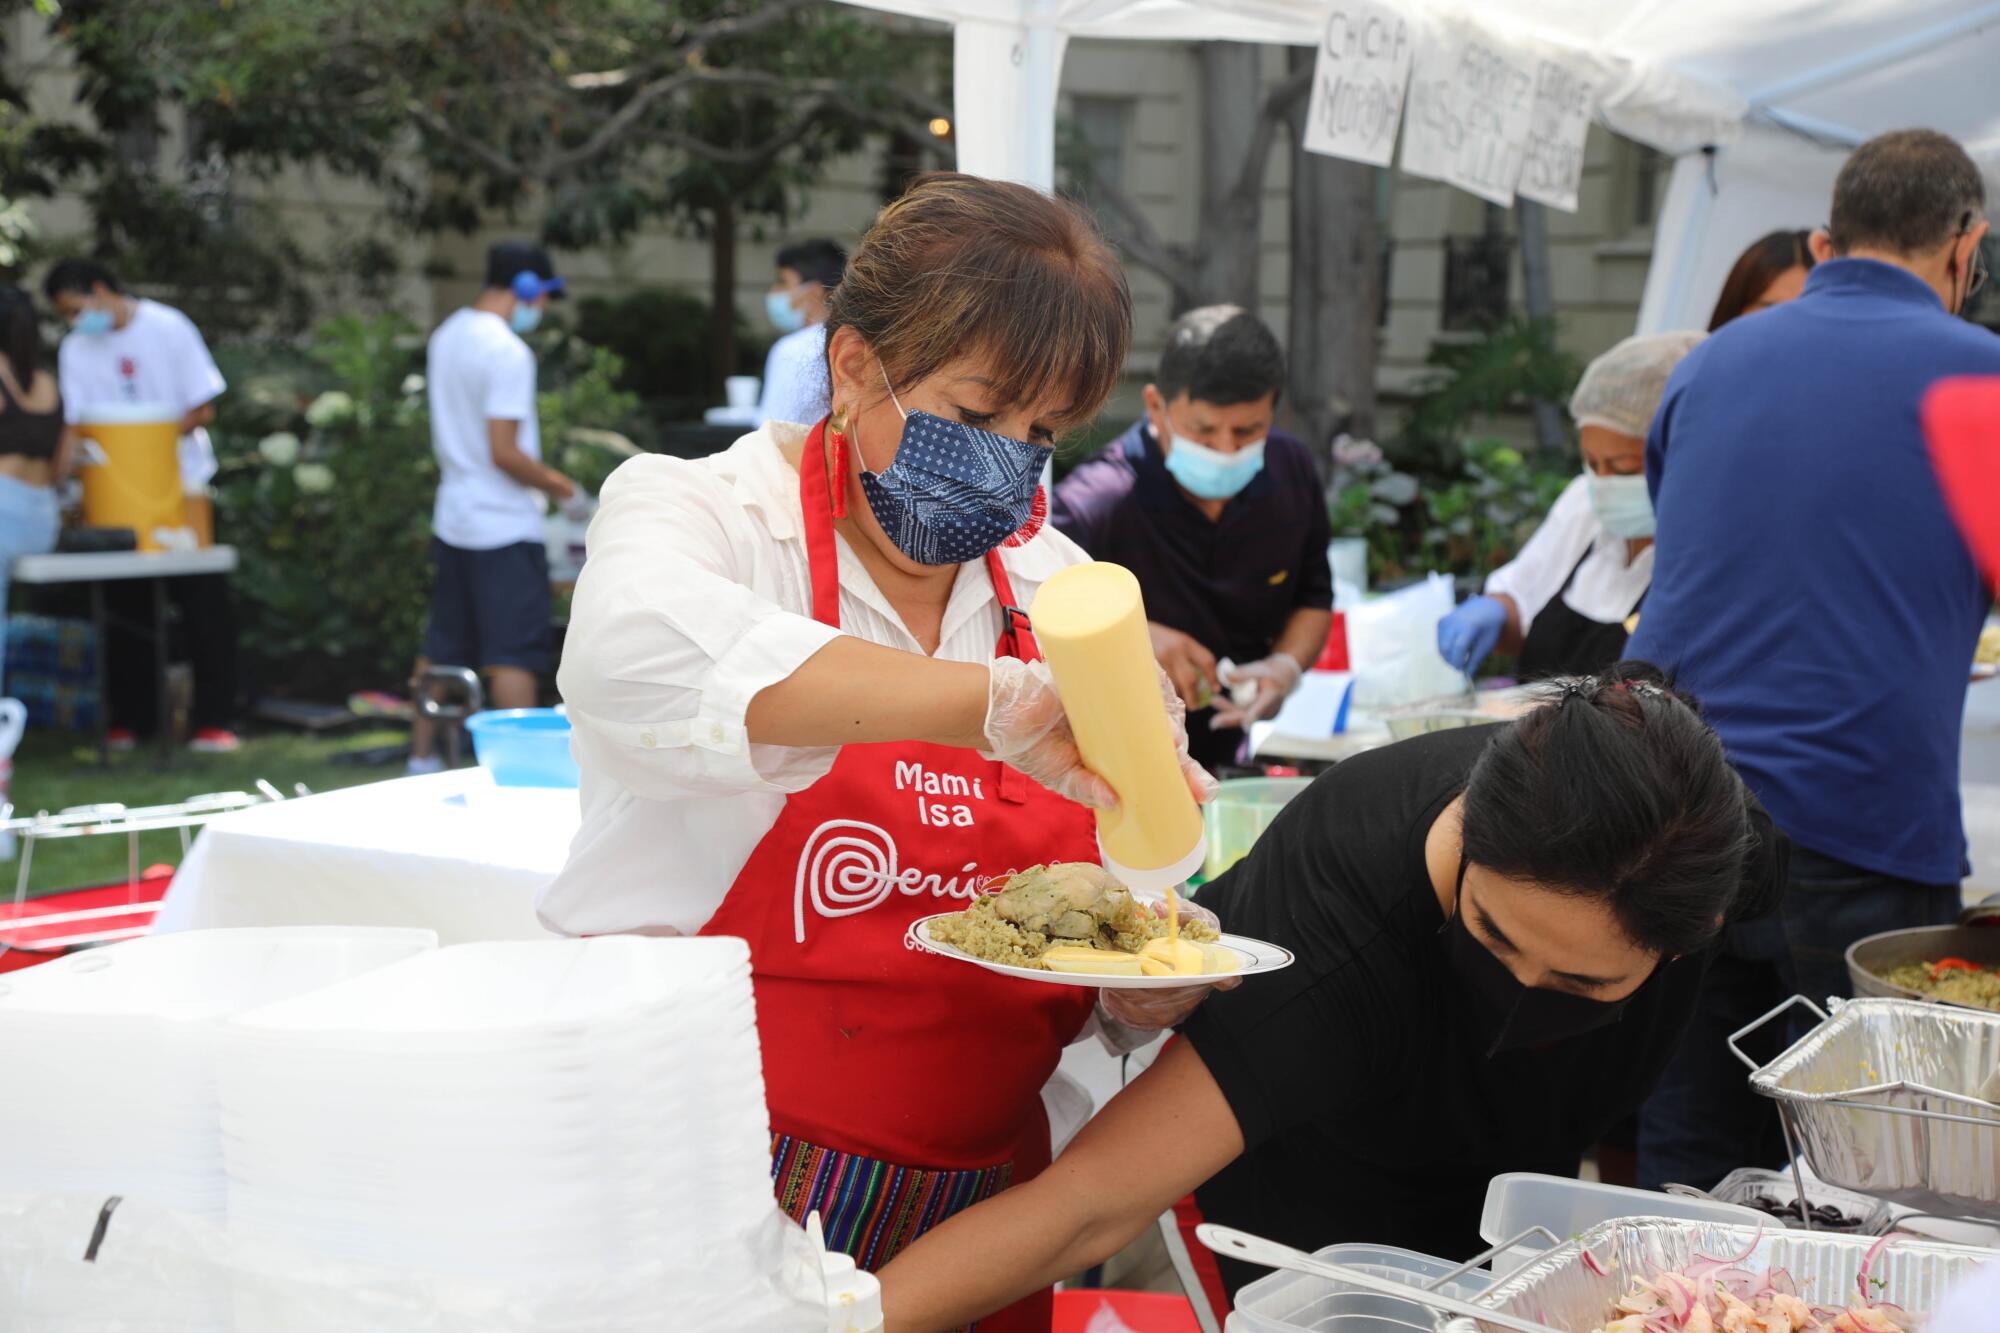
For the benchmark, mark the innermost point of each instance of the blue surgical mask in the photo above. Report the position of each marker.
(1622, 505)
(954, 492)
(1209, 473)
(526, 318)
(95, 322)
(778, 306)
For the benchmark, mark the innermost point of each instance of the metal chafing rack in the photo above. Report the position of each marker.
(1879, 1097)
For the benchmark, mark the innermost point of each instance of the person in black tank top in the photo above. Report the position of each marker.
(31, 459)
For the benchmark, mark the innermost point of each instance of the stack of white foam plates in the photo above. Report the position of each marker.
(110, 1054)
(574, 1111)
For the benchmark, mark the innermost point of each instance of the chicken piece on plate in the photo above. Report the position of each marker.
(1073, 900)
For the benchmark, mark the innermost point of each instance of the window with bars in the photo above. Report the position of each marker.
(1475, 280)
(1102, 126)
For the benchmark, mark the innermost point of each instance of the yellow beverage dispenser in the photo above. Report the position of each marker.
(130, 465)
(1091, 623)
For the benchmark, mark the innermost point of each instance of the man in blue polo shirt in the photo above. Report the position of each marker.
(1222, 519)
(1813, 592)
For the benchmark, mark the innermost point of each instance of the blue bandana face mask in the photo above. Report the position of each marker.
(954, 492)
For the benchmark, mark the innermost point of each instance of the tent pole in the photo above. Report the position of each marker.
(1684, 221)
(1004, 81)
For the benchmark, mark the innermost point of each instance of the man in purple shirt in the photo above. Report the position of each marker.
(1222, 519)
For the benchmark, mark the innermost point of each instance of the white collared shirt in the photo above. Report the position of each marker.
(1606, 586)
(695, 596)
(795, 383)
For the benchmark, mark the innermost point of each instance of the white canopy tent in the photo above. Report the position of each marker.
(1758, 100)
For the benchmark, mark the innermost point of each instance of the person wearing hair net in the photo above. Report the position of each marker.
(1567, 602)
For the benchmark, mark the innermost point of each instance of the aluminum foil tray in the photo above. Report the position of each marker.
(1559, 1290)
(1908, 1054)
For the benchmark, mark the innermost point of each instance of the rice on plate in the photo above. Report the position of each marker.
(1072, 904)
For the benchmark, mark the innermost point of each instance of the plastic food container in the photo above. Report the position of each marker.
(1519, 1200)
(1421, 722)
(524, 747)
(1302, 1303)
(1242, 809)
(1871, 1216)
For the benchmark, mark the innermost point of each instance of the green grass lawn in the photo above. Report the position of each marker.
(54, 771)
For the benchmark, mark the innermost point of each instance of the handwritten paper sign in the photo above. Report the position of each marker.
(1358, 82)
(1552, 170)
(1472, 98)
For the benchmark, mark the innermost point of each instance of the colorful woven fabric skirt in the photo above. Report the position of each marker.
(872, 1210)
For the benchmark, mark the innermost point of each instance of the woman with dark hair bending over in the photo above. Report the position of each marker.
(1500, 935)
(32, 457)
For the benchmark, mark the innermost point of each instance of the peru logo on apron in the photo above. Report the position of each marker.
(850, 866)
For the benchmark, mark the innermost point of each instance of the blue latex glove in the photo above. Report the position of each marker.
(1469, 634)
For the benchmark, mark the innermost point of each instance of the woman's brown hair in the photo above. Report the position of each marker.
(1756, 269)
(962, 265)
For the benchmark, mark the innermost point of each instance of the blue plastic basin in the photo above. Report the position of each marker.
(524, 747)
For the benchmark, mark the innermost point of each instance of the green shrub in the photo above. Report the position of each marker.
(326, 487)
(662, 339)
(1439, 498)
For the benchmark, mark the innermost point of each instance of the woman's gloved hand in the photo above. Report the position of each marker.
(1157, 1010)
(1026, 727)
(1469, 634)
(1273, 677)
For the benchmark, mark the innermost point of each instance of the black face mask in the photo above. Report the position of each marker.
(1507, 1015)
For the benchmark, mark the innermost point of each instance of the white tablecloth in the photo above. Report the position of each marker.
(451, 852)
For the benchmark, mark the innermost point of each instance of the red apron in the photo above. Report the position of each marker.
(903, 1087)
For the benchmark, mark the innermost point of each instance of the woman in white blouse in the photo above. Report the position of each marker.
(809, 710)
(1567, 602)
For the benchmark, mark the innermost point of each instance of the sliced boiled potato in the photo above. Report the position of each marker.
(1086, 961)
(1220, 958)
(1174, 958)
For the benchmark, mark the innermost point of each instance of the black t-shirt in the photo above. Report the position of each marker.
(1368, 1110)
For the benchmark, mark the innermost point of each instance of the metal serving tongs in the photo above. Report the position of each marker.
(1269, 1254)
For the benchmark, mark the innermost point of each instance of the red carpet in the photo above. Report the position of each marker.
(44, 928)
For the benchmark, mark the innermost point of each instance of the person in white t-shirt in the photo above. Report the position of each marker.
(795, 384)
(490, 605)
(126, 349)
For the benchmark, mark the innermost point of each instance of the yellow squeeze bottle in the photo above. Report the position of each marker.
(1091, 624)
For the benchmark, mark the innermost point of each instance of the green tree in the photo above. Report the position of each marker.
(582, 118)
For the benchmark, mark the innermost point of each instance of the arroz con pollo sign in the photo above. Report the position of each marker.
(1472, 99)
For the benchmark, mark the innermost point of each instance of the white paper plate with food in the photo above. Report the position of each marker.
(1072, 924)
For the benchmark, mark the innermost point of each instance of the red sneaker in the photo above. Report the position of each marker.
(120, 740)
(214, 740)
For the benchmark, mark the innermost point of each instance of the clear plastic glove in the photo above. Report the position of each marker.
(1470, 633)
(1273, 678)
(579, 507)
(1157, 1010)
(1026, 727)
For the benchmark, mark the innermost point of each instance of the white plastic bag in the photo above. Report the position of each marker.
(154, 1270)
(1392, 647)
